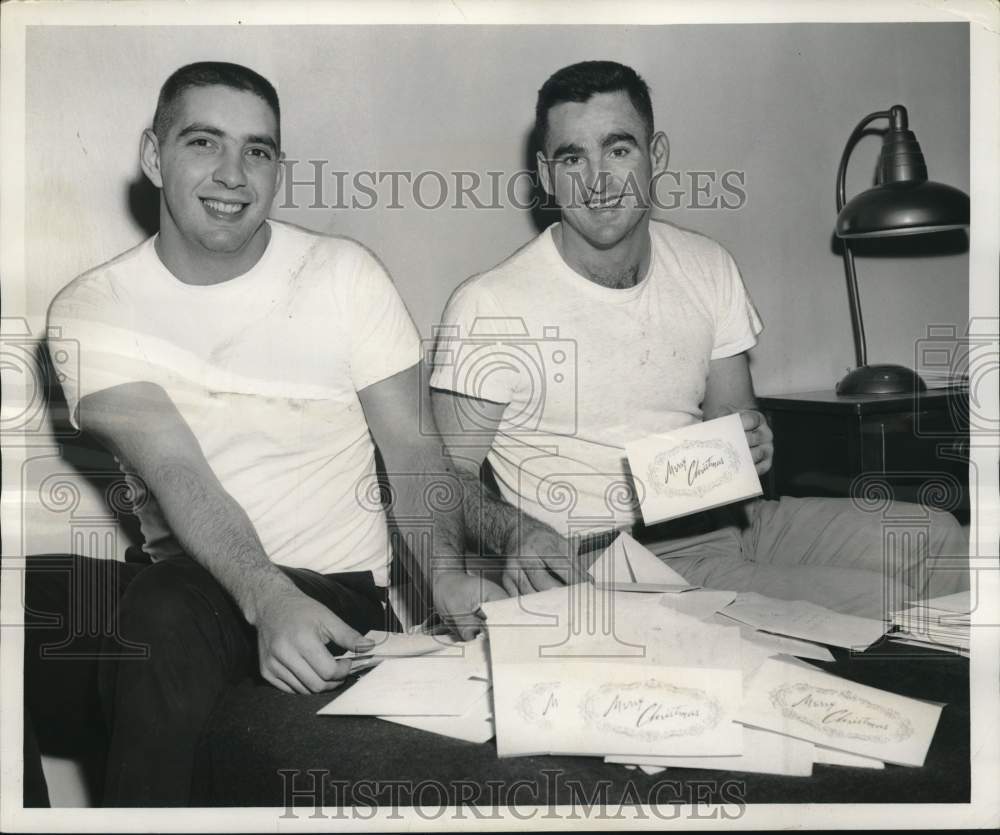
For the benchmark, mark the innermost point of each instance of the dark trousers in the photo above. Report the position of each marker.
(132, 658)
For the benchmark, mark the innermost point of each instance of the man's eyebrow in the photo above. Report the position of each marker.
(567, 148)
(252, 139)
(199, 127)
(620, 136)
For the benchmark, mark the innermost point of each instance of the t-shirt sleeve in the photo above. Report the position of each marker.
(91, 344)
(472, 349)
(384, 340)
(736, 321)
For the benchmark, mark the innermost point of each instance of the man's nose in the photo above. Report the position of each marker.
(588, 180)
(230, 171)
(598, 176)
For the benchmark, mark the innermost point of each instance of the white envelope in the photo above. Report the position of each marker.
(475, 725)
(958, 603)
(423, 686)
(763, 753)
(586, 623)
(801, 701)
(800, 619)
(828, 756)
(694, 468)
(627, 561)
(700, 603)
(646, 588)
(472, 654)
(403, 644)
(540, 608)
(775, 644)
(580, 621)
(601, 708)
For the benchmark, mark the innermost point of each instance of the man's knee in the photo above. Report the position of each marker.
(944, 535)
(169, 599)
(948, 538)
(53, 583)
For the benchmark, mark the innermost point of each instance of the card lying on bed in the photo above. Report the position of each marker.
(694, 468)
(599, 708)
(798, 700)
(805, 620)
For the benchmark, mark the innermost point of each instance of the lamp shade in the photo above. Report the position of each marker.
(903, 201)
(904, 208)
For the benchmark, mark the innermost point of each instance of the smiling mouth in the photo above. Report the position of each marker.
(607, 203)
(223, 208)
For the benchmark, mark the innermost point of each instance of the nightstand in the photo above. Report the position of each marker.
(915, 445)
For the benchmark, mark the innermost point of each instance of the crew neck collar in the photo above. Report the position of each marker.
(260, 268)
(584, 284)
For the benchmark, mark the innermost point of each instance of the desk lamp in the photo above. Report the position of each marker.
(903, 202)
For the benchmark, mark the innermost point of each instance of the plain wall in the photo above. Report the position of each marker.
(776, 102)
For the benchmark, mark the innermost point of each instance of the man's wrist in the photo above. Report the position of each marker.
(443, 583)
(531, 535)
(271, 589)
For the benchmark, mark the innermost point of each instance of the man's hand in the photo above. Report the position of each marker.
(760, 438)
(292, 633)
(729, 390)
(457, 598)
(543, 560)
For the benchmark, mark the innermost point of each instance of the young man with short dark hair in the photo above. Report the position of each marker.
(636, 327)
(239, 369)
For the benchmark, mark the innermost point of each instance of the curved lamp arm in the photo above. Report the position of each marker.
(858, 325)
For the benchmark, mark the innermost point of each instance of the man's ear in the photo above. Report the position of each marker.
(544, 173)
(659, 152)
(149, 157)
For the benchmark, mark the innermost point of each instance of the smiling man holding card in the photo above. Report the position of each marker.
(613, 334)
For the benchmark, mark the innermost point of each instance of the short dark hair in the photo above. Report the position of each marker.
(209, 74)
(578, 82)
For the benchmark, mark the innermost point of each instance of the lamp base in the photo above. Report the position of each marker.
(880, 379)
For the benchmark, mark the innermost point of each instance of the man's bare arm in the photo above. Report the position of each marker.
(426, 493)
(538, 557)
(141, 424)
(729, 390)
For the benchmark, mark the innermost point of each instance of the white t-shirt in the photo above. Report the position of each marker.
(265, 368)
(583, 368)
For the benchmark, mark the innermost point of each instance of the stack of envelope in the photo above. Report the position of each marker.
(577, 670)
(940, 623)
(641, 668)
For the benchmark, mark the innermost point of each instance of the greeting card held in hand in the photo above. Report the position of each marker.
(695, 468)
